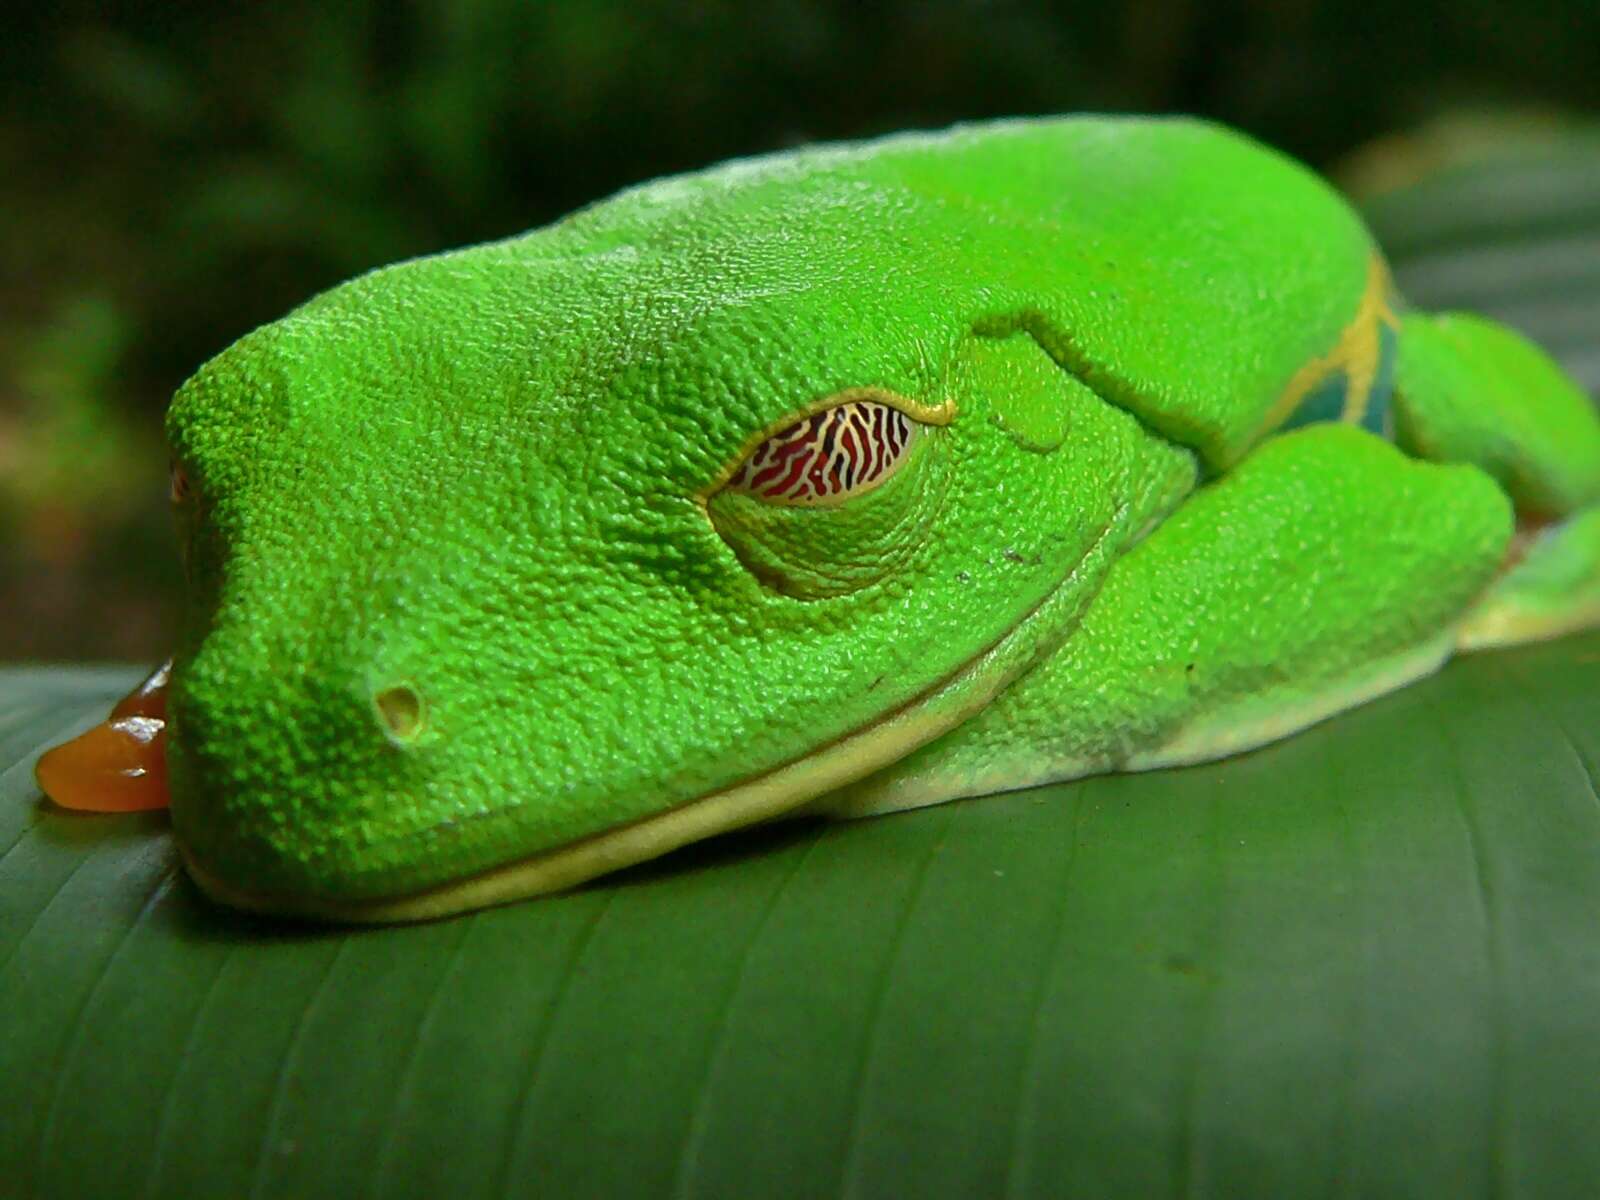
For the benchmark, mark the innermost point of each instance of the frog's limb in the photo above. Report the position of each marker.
(1552, 588)
(1471, 391)
(1327, 569)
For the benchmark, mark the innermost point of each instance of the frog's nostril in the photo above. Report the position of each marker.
(402, 712)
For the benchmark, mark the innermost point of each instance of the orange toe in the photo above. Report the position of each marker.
(121, 764)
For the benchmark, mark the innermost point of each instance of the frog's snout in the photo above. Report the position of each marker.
(298, 783)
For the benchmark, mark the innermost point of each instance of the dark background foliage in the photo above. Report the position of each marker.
(175, 173)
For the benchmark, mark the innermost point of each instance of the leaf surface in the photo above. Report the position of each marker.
(1360, 962)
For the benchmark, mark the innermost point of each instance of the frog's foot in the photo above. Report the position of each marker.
(120, 765)
(1550, 586)
(1470, 391)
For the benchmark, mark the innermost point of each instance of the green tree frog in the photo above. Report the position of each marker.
(838, 481)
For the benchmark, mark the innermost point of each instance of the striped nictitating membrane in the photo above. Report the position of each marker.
(829, 456)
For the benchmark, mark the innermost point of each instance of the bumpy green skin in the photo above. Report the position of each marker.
(482, 490)
(1296, 585)
(1526, 425)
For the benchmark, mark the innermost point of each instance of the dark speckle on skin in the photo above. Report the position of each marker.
(1182, 964)
(1011, 555)
(964, 576)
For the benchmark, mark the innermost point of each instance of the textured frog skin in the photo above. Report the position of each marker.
(475, 613)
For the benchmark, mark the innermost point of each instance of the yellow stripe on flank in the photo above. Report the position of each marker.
(1356, 354)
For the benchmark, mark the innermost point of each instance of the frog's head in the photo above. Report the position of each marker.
(514, 565)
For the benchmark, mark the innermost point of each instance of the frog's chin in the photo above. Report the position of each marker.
(773, 794)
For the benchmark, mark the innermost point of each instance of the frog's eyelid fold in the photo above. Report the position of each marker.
(834, 453)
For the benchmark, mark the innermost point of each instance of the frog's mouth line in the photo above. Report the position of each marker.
(786, 788)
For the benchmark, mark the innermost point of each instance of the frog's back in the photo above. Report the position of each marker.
(1209, 284)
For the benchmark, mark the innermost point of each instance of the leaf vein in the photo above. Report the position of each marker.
(1488, 917)
(850, 1165)
(547, 1021)
(169, 1093)
(1022, 1116)
(280, 1087)
(689, 1151)
(80, 1022)
(414, 1054)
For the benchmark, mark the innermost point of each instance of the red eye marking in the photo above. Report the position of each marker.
(178, 487)
(829, 455)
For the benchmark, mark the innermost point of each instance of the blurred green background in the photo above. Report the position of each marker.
(176, 173)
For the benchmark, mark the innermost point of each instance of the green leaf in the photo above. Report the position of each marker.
(1360, 962)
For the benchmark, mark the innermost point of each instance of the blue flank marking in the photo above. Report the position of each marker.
(1376, 418)
(1327, 400)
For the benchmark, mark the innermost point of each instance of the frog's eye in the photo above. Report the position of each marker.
(179, 489)
(829, 456)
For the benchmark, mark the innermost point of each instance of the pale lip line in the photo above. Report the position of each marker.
(780, 790)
